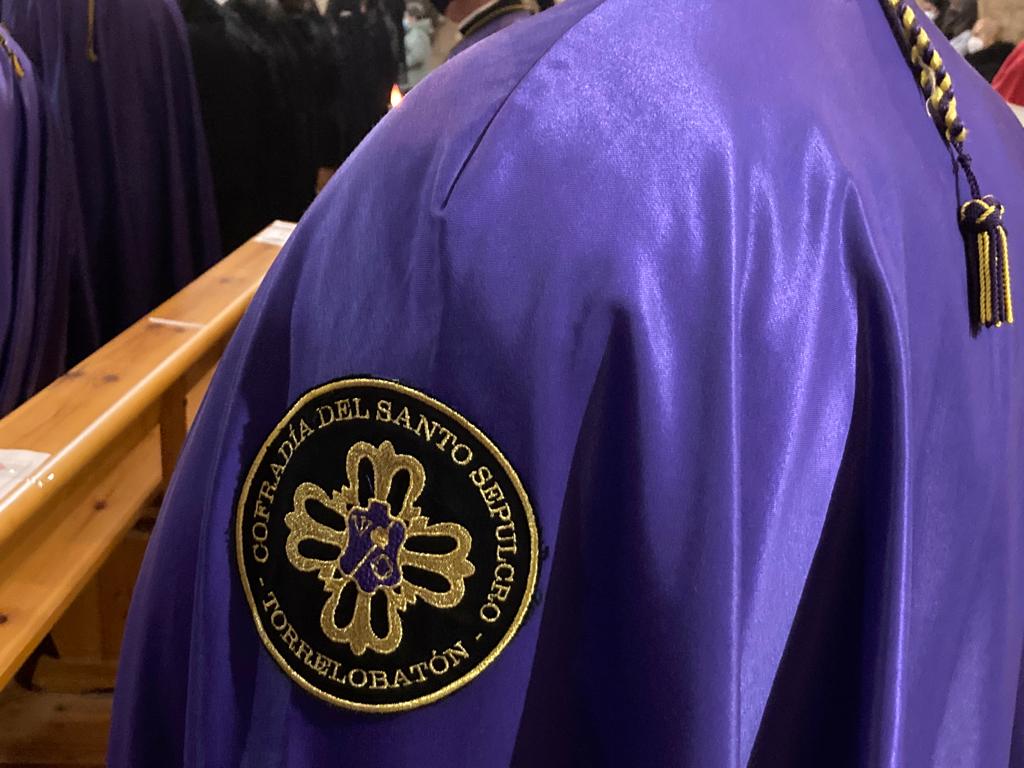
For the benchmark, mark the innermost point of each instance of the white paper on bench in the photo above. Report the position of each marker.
(277, 233)
(17, 466)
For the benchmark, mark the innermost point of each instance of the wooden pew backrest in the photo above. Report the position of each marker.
(113, 427)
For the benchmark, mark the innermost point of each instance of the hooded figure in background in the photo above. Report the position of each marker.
(385, 57)
(134, 124)
(351, 48)
(326, 71)
(393, 12)
(235, 86)
(41, 240)
(292, 166)
(632, 410)
(371, 45)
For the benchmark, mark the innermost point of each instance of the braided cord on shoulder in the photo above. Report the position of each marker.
(981, 217)
(935, 82)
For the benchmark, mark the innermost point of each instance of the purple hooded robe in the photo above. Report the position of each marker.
(129, 106)
(708, 297)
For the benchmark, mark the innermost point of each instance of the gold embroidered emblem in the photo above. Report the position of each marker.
(373, 548)
(386, 547)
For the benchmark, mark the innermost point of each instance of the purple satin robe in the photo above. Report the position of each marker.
(709, 297)
(39, 242)
(140, 155)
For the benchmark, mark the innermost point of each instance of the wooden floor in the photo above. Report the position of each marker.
(75, 729)
(54, 727)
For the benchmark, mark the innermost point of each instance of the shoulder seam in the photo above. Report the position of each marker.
(501, 105)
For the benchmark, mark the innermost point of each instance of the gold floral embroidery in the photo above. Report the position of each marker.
(372, 524)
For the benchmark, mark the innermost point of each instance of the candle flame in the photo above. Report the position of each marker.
(396, 96)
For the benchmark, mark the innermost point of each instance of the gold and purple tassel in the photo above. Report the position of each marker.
(981, 222)
(981, 218)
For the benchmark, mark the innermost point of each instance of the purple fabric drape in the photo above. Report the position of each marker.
(708, 295)
(40, 242)
(135, 127)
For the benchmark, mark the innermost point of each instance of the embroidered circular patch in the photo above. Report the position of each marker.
(386, 547)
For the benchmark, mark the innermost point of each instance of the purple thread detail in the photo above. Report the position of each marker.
(371, 565)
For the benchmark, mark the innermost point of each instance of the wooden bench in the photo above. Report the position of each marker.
(73, 533)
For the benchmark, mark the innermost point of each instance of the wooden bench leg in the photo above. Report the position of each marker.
(173, 426)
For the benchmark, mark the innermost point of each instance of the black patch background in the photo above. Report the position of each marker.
(448, 496)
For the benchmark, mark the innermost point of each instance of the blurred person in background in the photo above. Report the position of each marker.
(1009, 80)
(932, 10)
(353, 46)
(237, 90)
(320, 88)
(957, 21)
(418, 41)
(367, 33)
(986, 48)
(479, 19)
(385, 56)
(290, 166)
